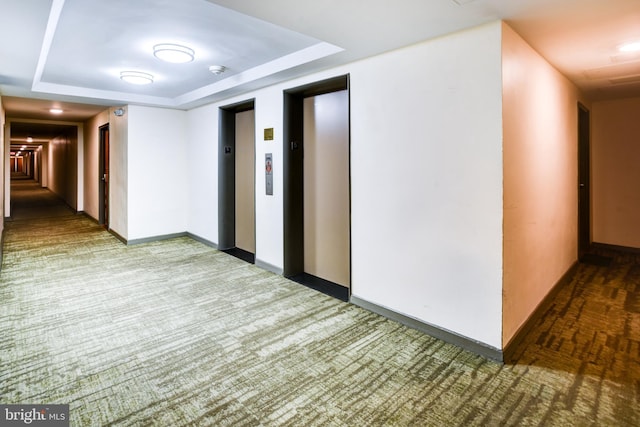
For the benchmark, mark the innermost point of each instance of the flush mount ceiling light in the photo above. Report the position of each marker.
(217, 69)
(174, 53)
(630, 47)
(136, 77)
(56, 110)
(29, 139)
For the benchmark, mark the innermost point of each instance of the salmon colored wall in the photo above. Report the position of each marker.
(615, 151)
(540, 180)
(63, 160)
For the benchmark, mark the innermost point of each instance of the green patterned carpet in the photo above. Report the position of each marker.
(175, 333)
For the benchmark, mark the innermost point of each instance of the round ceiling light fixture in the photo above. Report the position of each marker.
(56, 110)
(174, 53)
(136, 77)
(630, 47)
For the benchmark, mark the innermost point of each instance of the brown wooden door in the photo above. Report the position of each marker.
(584, 178)
(104, 177)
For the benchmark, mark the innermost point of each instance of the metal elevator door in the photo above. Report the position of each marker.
(326, 187)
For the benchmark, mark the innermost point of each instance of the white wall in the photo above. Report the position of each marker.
(157, 172)
(203, 171)
(426, 180)
(269, 113)
(202, 186)
(118, 174)
(91, 156)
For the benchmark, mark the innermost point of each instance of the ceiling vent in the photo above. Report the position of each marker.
(625, 80)
(614, 71)
(625, 57)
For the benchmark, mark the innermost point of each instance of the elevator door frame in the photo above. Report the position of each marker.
(227, 179)
(293, 169)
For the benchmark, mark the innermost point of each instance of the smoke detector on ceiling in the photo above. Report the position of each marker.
(217, 69)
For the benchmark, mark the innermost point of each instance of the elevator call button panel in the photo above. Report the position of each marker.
(268, 173)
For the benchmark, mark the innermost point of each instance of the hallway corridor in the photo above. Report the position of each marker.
(175, 333)
(29, 200)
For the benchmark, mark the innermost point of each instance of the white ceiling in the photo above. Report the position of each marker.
(70, 52)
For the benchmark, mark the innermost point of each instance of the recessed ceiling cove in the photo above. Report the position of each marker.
(89, 43)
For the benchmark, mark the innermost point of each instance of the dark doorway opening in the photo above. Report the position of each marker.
(294, 186)
(584, 180)
(103, 173)
(236, 180)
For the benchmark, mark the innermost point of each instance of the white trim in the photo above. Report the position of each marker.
(300, 57)
(52, 25)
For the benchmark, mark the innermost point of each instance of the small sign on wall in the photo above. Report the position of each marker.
(268, 173)
(268, 134)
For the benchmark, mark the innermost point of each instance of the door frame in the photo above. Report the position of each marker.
(293, 171)
(103, 176)
(584, 180)
(227, 178)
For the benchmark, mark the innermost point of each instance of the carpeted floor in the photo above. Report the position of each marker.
(175, 333)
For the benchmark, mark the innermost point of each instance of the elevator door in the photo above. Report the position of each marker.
(326, 187)
(245, 182)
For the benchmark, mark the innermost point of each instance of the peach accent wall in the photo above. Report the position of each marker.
(63, 160)
(540, 179)
(615, 150)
